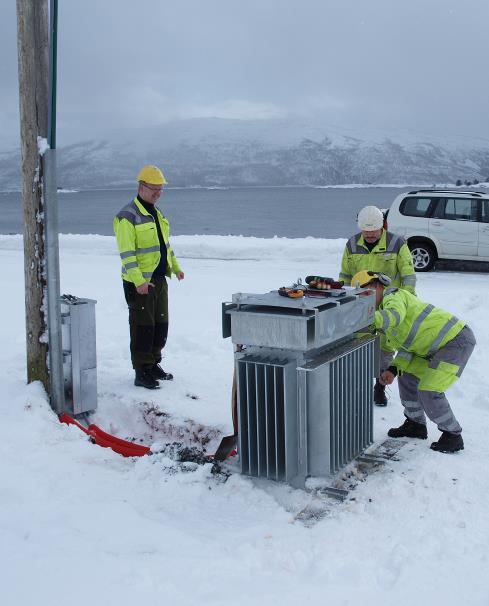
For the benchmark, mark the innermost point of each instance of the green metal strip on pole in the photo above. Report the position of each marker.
(53, 70)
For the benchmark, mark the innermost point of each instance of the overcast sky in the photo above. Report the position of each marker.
(419, 65)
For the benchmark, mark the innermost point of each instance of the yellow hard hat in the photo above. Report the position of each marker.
(151, 175)
(365, 277)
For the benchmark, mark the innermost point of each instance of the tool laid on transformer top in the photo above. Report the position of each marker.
(319, 286)
(292, 293)
(321, 283)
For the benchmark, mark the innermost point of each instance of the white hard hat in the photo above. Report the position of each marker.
(370, 218)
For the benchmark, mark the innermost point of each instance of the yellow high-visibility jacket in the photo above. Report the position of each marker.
(417, 330)
(390, 256)
(138, 243)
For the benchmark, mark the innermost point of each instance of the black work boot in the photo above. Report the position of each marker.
(380, 399)
(409, 429)
(144, 378)
(448, 442)
(158, 373)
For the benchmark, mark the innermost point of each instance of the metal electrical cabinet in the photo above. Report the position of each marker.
(304, 382)
(79, 353)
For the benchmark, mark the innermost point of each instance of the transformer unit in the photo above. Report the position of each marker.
(304, 382)
(79, 354)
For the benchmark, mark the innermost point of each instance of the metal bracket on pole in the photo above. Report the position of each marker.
(52, 282)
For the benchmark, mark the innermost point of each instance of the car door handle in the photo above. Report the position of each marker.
(438, 223)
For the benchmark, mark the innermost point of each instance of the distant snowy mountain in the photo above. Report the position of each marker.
(217, 152)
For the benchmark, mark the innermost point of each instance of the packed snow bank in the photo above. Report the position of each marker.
(79, 523)
(204, 247)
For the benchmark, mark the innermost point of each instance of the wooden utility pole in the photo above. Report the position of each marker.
(33, 60)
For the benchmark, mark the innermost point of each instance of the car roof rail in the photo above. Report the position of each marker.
(476, 194)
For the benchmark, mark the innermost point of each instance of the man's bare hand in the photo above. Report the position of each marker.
(180, 275)
(387, 377)
(143, 289)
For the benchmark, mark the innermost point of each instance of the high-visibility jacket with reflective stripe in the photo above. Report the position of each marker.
(390, 256)
(139, 245)
(412, 327)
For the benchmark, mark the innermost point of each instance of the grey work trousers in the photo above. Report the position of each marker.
(417, 402)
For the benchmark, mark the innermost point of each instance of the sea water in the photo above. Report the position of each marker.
(292, 212)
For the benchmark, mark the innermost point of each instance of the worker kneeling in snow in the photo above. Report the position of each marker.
(433, 348)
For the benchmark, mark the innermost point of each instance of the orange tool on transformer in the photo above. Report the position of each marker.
(292, 293)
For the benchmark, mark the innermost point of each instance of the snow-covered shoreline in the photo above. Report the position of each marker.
(129, 185)
(78, 522)
(202, 247)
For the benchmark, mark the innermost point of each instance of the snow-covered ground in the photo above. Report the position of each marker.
(81, 525)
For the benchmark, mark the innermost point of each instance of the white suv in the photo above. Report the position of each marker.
(442, 224)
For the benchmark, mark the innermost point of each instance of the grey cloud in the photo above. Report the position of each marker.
(394, 64)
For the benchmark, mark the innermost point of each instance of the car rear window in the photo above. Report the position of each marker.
(415, 207)
(456, 209)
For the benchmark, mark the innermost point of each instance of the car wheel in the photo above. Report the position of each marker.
(424, 256)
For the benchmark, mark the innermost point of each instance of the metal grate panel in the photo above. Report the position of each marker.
(351, 415)
(267, 417)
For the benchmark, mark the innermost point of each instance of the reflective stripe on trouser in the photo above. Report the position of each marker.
(148, 322)
(408, 392)
(445, 367)
(417, 402)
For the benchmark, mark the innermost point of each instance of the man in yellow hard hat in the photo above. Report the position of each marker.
(433, 348)
(377, 249)
(143, 239)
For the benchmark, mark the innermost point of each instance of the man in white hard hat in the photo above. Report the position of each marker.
(143, 239)
(376, 249)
